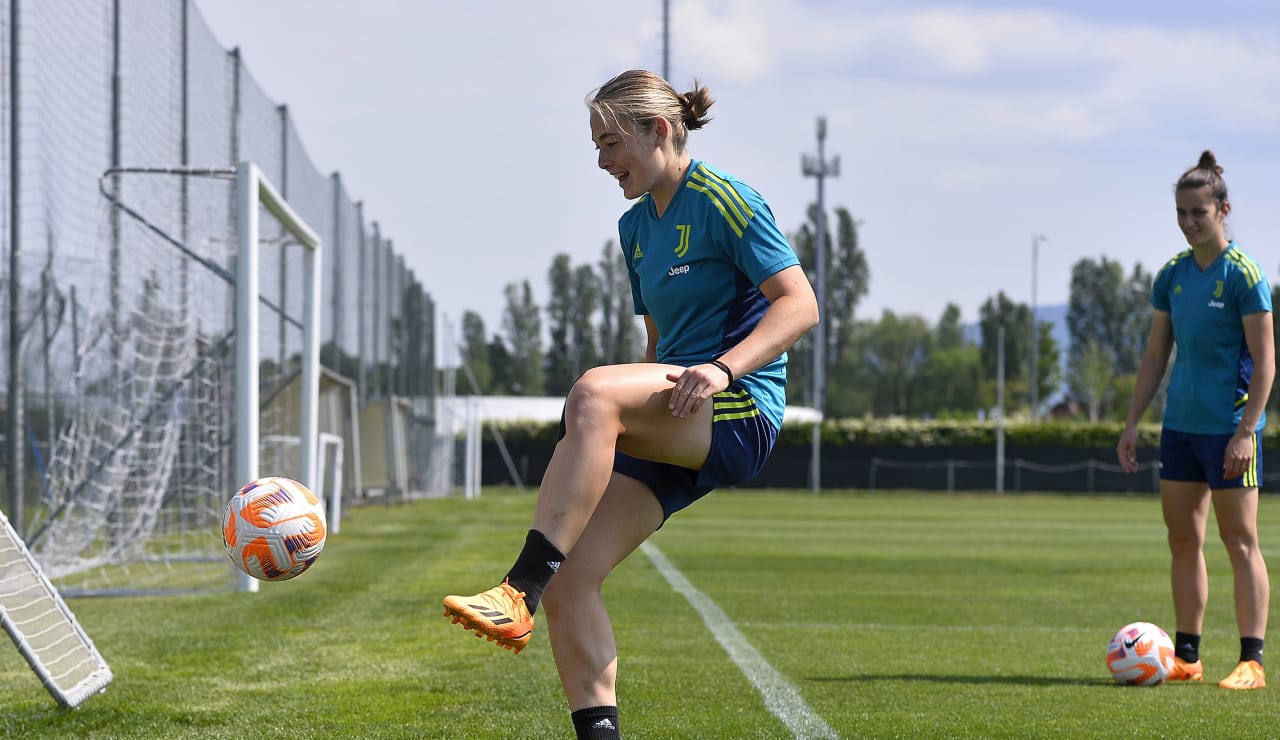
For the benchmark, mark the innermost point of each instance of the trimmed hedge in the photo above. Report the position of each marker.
(900, 432)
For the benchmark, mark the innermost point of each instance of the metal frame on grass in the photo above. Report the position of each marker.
(44, 629)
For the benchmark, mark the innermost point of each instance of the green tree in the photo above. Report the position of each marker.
(501, 366)
(475, 350)
(847, 280)
(949, 333)
(523, 326)
(890, 357)
(574, 301)
(1015, 318)
(1110, 309)
(583, 351)
(951, 380)
(1048, 363)
(620, 339)
(559, 369)
(1091, 376)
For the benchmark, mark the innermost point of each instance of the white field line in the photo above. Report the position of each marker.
(779, 695)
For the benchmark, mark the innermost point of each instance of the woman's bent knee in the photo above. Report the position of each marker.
(588, 399)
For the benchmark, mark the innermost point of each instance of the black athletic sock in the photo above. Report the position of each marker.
(1251, 649)
(1186, 646)
(597, 723)
(538, 561)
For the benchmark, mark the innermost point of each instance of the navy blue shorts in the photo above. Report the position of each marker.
(741, 441)
(1198, 458)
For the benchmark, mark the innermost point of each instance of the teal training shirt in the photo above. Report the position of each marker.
(695, 271)
(1209, 384)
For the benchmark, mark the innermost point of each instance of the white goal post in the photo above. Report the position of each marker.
(328, 471)
(44, 629)
(253, 190)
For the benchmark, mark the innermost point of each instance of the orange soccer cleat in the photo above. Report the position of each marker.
(1247, 675)
(498, 615)
(1184, 671)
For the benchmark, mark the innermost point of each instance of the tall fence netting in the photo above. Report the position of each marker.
(122, 125)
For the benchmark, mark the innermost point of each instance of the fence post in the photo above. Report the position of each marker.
(338, 249)
(14, 440)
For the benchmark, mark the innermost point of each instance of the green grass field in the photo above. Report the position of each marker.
(905, 615)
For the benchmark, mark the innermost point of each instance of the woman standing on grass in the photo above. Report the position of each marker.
(723, 297)
(1213, 304)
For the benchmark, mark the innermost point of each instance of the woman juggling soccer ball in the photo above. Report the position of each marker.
(723, 297)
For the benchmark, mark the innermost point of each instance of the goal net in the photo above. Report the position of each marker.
(200, 338)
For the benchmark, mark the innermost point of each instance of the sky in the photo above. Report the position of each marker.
(962, 129)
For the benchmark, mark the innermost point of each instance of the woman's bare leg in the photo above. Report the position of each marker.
(617, 407)
(578, 623)
(1237, 513)
(1186, 510)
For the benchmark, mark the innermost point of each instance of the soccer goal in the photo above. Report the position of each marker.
(189, 328)
(254, 193)
(175, 377)
(44, 629)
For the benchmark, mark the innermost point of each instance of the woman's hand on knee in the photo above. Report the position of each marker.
(693, 387)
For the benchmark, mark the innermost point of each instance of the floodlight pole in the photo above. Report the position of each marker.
(666, 40)
(820, 168)
(15, 441)
(1035, 329)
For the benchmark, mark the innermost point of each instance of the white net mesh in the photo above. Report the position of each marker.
(120, 426)
(135, 476)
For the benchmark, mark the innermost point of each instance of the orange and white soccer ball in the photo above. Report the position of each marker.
(274, 528)
(1140, 654)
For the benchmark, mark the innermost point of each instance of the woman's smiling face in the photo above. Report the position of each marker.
(1200, 216)
(629, 157)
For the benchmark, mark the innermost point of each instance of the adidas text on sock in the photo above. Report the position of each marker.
(538, 561)
(596, 723)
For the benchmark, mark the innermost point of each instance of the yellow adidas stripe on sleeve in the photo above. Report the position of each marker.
(723, 196)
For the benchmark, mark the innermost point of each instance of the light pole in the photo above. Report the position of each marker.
(1035, 329)
(666, 39)
(819, 167)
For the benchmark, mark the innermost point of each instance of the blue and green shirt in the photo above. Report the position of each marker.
(1209, 385)
(695, 271)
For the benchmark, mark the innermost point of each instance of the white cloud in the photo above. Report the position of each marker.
(963, 129)
(1019, 73)
(728, 40)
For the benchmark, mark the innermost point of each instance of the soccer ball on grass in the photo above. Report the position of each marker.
(1140, 654)
(274, 528)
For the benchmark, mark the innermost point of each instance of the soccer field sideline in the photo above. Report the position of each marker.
(780, 696)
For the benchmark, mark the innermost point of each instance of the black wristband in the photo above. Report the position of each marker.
(726, 370)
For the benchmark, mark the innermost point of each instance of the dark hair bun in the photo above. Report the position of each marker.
(1208, 162)
(695, 104)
